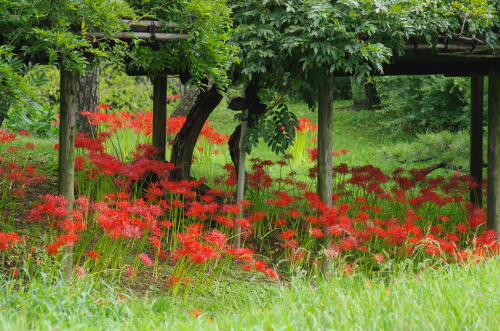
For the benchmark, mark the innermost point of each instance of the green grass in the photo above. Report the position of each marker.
(451, 298)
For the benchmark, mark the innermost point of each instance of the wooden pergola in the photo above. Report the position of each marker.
(463, 57)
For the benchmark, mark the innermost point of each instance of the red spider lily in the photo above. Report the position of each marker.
(130, 271)
(286, 235)
(306, 125)
(80, 271)
(315, 232)
(173, 97)
(216, 238)
(145, 259)
(475, 215)
(103, 106)
(93, 255)
(24, 133)
(379, 258)
(6, 136)
(30, 146)
(7, 240)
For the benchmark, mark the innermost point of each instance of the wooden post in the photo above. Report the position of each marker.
(494, 151)
(325, 131)
(241, 175)
(160, 114)
(476, 137)
(67, 127)
(325, 116)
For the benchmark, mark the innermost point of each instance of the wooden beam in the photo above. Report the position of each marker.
(476, 137)
(142, 35)
(145, 25)
(494, 151)
(160, 114)
(67, 128)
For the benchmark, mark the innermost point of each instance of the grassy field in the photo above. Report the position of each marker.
(437, 298)
(450, 298)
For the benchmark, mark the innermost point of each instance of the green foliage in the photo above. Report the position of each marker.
(11, 86)
(206, 52)
(36, 108)
(288, 45)
(451, 148)
(276, 128)
(124, 92)
(56, 30)
(416, 104)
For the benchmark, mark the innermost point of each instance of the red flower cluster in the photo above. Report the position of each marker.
(9, 239)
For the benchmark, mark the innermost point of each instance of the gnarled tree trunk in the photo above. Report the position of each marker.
(185, 141)
(189, 94)
(87, 98)
(256, 110)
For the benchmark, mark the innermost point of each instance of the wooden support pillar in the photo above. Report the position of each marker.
(494, 151)
(67, 128)
(240, 192)
(160, 115)
(476, 137)
(325, 117)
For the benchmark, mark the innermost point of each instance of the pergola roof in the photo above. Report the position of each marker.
(457, 59)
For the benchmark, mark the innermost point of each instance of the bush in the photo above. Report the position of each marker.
(424, 103)
(36, 110)
(448, 148)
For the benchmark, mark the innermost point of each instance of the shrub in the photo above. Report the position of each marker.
(415, 104)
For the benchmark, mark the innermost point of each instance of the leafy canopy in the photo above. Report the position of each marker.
(206, 52)
(289, 44)
(57, 32)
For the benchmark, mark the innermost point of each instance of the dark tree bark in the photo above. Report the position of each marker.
(325, 144)
(188, 99)
(185, 141)
(256, 109)
(87, 98)
(364, 94)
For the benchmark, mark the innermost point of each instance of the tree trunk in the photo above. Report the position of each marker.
(325, 113)
(256, 110)
(372, 96)
(364, 94)
(66, 172)
(188, 99)
(325, 131)
(234, 146)
(87, 98)
(185, 141)
(160, 115)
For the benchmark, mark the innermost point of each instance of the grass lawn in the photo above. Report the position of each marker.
(450, 298)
